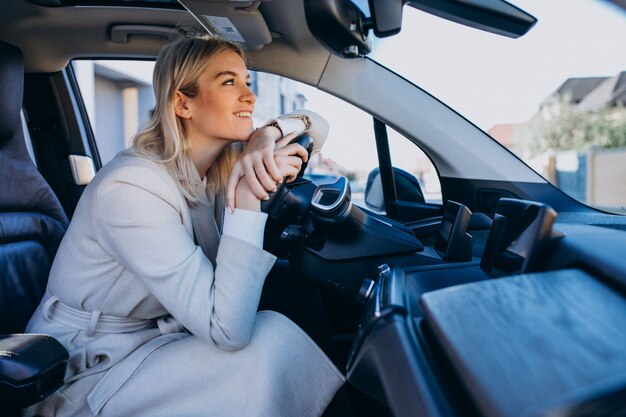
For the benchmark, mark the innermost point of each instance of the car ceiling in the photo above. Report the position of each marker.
(51, 36)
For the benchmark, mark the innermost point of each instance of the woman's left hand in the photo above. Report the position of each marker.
(289, 157)
(256, 163)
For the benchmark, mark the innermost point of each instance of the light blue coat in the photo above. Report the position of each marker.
(130, 254)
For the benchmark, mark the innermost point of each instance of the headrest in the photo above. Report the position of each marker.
(11, 89)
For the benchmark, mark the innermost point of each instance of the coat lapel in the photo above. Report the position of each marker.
(220, 206)
(203, 218)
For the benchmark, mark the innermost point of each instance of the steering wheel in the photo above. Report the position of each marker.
(329, 205)
(272, 206)
(288, 204)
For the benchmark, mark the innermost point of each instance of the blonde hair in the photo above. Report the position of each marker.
(178, 67)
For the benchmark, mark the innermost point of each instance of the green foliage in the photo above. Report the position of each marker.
(562, 126)
(607, 128)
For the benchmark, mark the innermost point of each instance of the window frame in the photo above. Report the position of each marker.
(395, 208)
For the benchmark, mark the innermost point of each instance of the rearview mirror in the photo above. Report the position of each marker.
(340, 25)
(495, 16)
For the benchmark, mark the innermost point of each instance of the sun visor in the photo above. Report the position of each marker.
(236, 20)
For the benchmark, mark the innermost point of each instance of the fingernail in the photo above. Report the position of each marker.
(280, 181)
(267, 197)
(230, 210)
(274, 190)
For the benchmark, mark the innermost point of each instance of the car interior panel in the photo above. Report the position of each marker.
(493, 347)
(506, 298)
(57, 134)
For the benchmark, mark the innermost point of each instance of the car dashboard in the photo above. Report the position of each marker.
(453, 339)
(509, 314)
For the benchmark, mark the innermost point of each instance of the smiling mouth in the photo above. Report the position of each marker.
(245, 114)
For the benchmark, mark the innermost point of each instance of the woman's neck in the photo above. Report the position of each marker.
(204, 152)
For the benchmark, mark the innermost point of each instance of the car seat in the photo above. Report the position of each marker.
(32, 224)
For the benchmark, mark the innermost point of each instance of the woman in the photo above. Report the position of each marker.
(157, 309)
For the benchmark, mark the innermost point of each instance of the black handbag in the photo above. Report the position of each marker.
(32, 366)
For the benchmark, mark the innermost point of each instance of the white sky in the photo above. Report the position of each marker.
(492, 79)
(487, 78)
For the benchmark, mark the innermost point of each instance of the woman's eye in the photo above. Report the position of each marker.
(249, 84)
(229, 82)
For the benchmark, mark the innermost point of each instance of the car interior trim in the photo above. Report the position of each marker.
(423, 119)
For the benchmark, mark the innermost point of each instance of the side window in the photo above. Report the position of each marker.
(119, 99)
(410, 158)
(350, 149)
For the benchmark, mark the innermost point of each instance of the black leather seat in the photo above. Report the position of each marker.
(32, 224)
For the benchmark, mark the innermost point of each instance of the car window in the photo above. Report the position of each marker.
(350, 149)
(410, 158)
(556, 96)
(118, 98)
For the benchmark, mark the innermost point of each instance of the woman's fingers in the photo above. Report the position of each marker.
(269, 163)
(281, 143)
(260, 148)
(289, 166)
(244, 167)
(262, 175)
(231, 186)
(264, 165)
(293, 149)
(251, 178)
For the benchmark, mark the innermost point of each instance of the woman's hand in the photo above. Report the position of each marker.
(289, 157)
(245, 199)
(259, 164)
(256, 163)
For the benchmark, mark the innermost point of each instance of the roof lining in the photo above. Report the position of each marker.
(41, 33)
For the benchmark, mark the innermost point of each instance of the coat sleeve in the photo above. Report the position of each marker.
(304, 121)
(138, 220)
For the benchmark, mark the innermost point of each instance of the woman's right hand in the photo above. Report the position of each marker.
(255, 166)
(288, 158)
(245, 198)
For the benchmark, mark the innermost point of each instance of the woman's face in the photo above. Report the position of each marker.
(223, 108)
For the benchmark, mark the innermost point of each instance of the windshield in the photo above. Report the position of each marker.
(556, 96)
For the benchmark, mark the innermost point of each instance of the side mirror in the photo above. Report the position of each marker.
(407, 189)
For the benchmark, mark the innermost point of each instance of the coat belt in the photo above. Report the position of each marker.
(95, 321)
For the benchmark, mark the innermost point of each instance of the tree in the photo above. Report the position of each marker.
(607, 128)
(560, 126)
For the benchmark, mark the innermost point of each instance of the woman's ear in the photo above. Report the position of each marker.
(181, 106)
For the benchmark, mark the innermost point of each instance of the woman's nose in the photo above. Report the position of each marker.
(248, 95)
